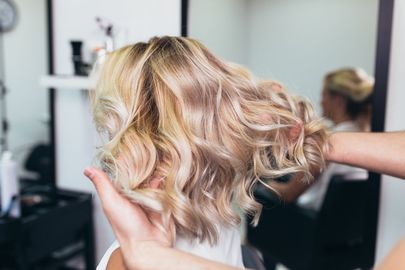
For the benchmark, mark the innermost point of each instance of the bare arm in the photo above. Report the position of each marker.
(116, 261)
(151, 255)
(395, 259)
(378, 152)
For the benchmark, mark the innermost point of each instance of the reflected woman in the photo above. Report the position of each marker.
(346, 98)
(346, 102)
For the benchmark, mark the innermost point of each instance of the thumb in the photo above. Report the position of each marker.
(128, 219)
(104, 187)
(99, 178)
(115, 206)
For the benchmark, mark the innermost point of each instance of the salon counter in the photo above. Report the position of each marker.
(55, 226)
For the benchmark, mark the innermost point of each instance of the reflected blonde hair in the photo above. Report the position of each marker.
(354, 83)
(357, 87)
(203, 127)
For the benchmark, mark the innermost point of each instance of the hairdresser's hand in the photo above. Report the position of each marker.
(131, 224)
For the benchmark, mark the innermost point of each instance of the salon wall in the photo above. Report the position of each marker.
(391, 225)
(286, 40)
(315, 36)
(24, 62)
(75, 135)
(212, 20)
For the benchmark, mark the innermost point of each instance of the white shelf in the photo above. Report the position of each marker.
(65, 82)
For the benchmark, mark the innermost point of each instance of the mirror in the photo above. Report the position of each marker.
(295, 43)
(26, 104)
(298, 43)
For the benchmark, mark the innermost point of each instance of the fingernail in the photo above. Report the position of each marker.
(88, 172)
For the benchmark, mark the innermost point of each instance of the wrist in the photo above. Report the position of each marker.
(136, 253)
(332, 153)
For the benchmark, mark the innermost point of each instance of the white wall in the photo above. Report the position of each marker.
(391, 225)
(221, 26)
(297, 42)
(25, 60)
(76, 138)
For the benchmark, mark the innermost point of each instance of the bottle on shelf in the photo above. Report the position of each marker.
(9, 186)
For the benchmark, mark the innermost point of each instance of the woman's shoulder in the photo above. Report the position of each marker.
(227, 250)
(106, 257)
(116, 261)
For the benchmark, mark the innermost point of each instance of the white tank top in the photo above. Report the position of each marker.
(227, 250)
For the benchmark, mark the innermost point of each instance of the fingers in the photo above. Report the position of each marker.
(277, 87)
(295, 131)
(129, 221)
(105, 189)
(97, 176)
(155, 182)
(272, 86)
(117, 208)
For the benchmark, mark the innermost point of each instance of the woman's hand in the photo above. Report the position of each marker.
(143, 246)
(130, 223)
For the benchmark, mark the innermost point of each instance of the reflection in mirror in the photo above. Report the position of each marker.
(24, 60)
(324, 50)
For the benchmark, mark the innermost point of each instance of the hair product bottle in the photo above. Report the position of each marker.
(9, 185)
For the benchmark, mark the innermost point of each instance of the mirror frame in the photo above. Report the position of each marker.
(51, 95)
(381, 73)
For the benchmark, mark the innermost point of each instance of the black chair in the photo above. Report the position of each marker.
(251, 258)
(50, 233)
(333, 238)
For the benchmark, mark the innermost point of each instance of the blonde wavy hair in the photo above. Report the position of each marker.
(175, 112)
